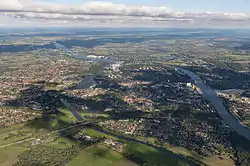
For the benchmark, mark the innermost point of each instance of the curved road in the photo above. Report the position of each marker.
(210, 95)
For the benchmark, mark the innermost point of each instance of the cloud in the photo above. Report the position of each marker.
(90, 8)
(107, 12)
(11, 5)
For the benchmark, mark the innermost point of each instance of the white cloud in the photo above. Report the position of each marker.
(11, 5)
(101, 12)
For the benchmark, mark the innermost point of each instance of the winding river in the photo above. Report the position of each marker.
(207, 92)
(210, 95)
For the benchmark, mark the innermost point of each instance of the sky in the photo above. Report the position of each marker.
(156, 13)
(184, 5)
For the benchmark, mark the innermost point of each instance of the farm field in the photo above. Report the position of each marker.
(98, 154)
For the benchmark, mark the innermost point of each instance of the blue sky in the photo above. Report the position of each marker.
(183, 5)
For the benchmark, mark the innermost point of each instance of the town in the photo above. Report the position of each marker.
(125, 96)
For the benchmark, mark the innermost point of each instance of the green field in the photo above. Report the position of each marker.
(150, 155)
(65, 116)
(18, 132)
(209, 160)
(37, 128)
(99, 155)
(94, 133)
(8, 155)
(94, 155)
(54, 121)
(60, 142)
(142, 153)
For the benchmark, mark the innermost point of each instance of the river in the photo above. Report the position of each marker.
(173, 155)
(210, 95)
(88, 81)
(72, 110)
(207, 92)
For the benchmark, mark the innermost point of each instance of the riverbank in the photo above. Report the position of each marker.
(183, 154)
(185, 159)
(210, 95)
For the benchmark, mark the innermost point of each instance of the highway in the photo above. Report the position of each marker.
(47, 134)
(210, 95)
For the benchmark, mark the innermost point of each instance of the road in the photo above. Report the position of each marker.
(48, 134)
(210, 95)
